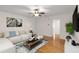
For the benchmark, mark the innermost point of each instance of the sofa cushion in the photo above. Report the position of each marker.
(20, 38)
(22, 32)
(6, 34)
(15, 39)
(1, 35)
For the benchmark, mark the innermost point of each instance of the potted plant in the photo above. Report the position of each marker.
(69, 30)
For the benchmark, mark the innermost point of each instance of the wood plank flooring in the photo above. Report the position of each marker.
(53, 46)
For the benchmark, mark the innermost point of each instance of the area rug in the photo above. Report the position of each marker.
(26, 50)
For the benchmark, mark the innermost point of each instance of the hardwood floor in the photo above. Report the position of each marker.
(53, 46)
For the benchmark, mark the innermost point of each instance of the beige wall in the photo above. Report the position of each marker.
(44, 24)
(27, 23)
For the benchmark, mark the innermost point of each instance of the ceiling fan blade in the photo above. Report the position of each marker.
(40, 15)
(42, 12)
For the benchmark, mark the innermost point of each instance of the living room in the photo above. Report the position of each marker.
(21, 23)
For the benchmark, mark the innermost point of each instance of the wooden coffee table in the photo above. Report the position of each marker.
(32, 44)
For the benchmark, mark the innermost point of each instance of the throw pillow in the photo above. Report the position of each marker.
(12, 33)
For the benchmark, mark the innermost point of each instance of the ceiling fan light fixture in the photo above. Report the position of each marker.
(36, 14)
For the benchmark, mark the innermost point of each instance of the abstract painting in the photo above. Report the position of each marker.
(14, 22)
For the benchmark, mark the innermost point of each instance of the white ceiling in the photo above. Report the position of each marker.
(49, 9)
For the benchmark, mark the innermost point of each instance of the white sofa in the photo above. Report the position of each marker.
(69, 48)
(14, 44)
(8, 45)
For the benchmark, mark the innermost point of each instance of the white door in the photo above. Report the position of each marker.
(55, 27)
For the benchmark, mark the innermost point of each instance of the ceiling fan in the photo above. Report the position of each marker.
(37, 11)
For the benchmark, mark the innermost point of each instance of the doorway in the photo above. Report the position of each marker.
(56, 28)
